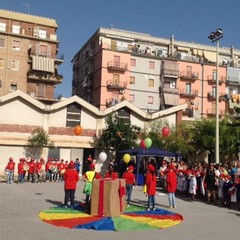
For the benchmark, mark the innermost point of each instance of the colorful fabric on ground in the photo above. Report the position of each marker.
(134, 218)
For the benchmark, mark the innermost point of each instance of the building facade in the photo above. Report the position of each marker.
(29, 56)
(20, 114)
(155, 73)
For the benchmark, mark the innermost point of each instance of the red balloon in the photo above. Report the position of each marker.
(165, 131)
(78, 130)
(142, 144)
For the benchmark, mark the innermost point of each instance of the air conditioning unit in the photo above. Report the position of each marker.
(84, 84)
(32, 94)
(194, 74)
(121, 91)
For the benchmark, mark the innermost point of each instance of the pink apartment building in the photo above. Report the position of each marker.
(155, 73)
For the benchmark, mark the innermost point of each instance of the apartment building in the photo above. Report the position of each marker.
(29, 56)
(155, 73)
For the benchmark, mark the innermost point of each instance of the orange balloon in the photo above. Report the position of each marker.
(78, 130)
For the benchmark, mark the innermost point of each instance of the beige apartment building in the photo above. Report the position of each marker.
(154, 73)
(29, 56)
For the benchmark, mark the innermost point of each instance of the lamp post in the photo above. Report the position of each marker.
(214, 37)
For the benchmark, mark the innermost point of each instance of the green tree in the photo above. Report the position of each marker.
(118, 135)
(38, 140)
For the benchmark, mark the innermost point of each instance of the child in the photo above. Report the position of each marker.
(151, 186)
(171, 181)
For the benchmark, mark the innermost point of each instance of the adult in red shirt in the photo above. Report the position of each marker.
(151, 182)
(71, 178)
(129, 177)
(10, 170)
(171, 181)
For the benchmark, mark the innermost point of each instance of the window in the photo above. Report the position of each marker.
(42, 34)
(73, 117)
(14, 65)
(16, 45)
(1, 63)
(214, 75)
(151, 65)
(133, 62)
(131, 98)
(2, 42)
(15, 29)
(132, 80)
(116, 79)
(150, 100)
(3, 27)
(116, 61)
(124, 114)
(214, 91)
(41, 91)
(43, 49)
(13, 86)
(188, 88)
(150, 82)
(189, 71)
(0, 84)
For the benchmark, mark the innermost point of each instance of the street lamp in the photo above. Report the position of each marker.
(214, 37)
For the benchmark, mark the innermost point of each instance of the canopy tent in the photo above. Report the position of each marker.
(140, 152)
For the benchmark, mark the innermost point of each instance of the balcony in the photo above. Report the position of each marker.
(232, 81)
(189, 76)
(187, 112)
(212, 112)
(41, 76)
(117, 66)
(117, 85)
(212, 95)
(188, 93)
(212, 79)
(170, 90)
(59, 59)
(170, 73)
(111, 102)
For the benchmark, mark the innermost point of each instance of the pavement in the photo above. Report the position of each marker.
(20, 205)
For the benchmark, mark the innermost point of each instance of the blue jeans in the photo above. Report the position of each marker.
(151, 200)
(10, 176)
(129, 188)
(171, 199)
(20, 177)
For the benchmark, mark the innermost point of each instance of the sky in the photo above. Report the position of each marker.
(187, 20)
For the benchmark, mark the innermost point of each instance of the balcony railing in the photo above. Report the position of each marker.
(212, 111)
(188, 93)
(188, 75)
(118, 66)
(170, 73)
(212, 79)
(45, 77)
(170, 90)
(113, 84)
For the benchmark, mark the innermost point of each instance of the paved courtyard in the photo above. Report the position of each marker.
(20, 205)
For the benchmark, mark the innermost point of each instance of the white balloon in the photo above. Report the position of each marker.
(102, 157)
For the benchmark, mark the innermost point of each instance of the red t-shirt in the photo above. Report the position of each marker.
(129, 177)
(70, 178)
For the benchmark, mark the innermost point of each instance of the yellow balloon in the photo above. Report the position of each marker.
(126, 158)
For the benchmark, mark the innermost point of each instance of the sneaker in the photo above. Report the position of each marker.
(170, 206)
(148, 209)
(174, 206)
(128, 205)
(154, 209)
(64, 206)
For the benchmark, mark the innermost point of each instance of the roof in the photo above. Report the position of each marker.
(28, 18)
(94, 110)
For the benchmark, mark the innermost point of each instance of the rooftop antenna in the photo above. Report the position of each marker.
(27, 5)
